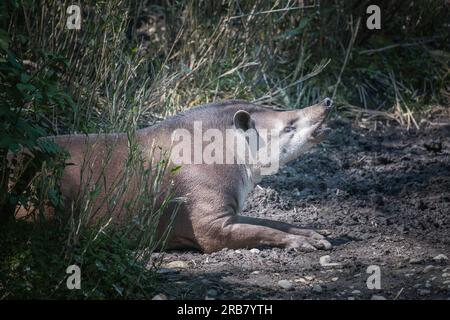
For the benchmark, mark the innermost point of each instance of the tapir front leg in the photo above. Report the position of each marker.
(233, 232)
(287, 227)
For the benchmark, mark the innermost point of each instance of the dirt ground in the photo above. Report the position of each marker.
(383, 192)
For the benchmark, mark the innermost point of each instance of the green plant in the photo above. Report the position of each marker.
(34, 257)
(26, 98)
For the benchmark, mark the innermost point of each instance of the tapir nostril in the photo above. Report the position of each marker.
(327, 102)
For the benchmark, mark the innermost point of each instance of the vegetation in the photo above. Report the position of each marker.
(135, 62)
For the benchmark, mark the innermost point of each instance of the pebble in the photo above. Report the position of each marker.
(178, 264)
(351, 298)
(424, 292)
(212, 293)
(429, 268)
(160, 296)
(335, 279)
(301, 280)
(440, 258)
(377, 297)
(356, 292)
(325, 262)
(167, 271)
(415, 260)
(256, 272)
(255, 251)
(285, 284)
(445, 275)
(309, 278)
(317, 288)
(238, 251)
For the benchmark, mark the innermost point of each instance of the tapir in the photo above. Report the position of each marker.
(213, 190)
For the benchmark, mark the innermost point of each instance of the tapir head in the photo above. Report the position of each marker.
(294, 131)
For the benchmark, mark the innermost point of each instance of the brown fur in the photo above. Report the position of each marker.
(209, 220)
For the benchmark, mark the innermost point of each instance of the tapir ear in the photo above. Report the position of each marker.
(243, 120)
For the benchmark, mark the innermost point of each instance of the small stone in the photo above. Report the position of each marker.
(440, 258)
(356, 292)
(429, 268)
(325, 262)
(317, 288)
(301, 280)
(335, 279)
(423, 292)
(160, 296)
(377, 297)
(415, 260)
(255, 251)
(167, 271)
(309, 278)
(238, 251)
(212, 293)
(255, 272)
(445, 275)
(286, 284)
(351, 298)
(177, 265)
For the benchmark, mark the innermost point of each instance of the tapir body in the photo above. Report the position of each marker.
(214, 194)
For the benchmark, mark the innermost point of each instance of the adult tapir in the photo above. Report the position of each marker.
(214, 191)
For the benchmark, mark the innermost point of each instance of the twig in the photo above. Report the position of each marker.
(398, 97)
(347, 56)
(273, 11)
(313, 73)
(398, 294)
(392, 46)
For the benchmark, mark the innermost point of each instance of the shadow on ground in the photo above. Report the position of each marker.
(384, 194)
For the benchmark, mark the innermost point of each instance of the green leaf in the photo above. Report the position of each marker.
(25, 87)
(24, 77)
(118, 288)
(13, 60)
(100, 265)
(4, 40)
(296, 31)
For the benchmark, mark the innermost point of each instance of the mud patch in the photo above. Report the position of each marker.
(384, 193)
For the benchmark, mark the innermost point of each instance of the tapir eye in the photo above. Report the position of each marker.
(289, 128)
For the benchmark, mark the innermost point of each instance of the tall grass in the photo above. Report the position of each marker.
(135, 62)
